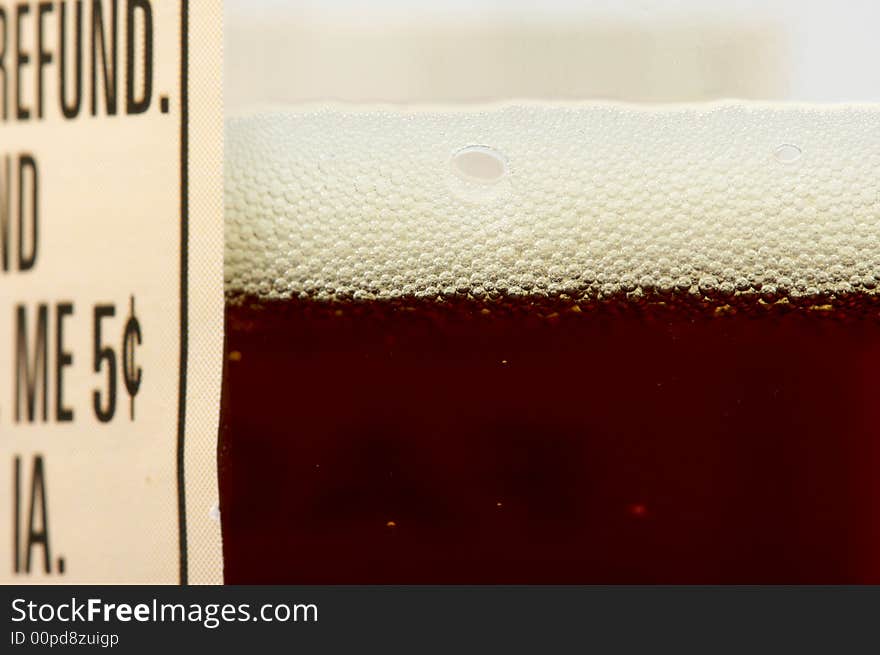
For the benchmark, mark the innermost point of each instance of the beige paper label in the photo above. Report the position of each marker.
(111, 301)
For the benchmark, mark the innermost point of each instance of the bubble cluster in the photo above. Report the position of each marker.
(597, 201)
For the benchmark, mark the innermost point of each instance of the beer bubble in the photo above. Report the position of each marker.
(479, 164)
(638, 510)
(787, 153)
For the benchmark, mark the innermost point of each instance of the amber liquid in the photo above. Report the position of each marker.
(457, 443)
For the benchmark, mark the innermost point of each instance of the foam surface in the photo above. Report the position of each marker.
(598, 200)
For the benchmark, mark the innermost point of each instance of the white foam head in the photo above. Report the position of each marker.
(586, 201)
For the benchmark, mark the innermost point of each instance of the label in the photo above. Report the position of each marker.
(111, 290)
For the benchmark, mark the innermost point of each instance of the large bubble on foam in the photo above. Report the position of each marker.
(585, 201)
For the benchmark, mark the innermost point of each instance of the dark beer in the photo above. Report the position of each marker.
(441, 443)
(672, 390)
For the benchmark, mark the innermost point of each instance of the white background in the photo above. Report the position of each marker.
(825, 50)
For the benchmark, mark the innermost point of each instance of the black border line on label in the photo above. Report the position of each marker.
(184, 287)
